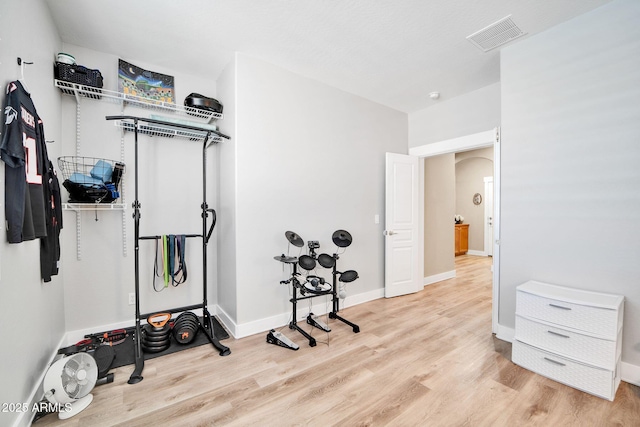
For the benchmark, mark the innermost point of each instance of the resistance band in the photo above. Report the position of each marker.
(170, 261)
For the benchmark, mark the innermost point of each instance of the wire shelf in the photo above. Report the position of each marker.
(94, 206)
(78, 90)
(167, 131)
(90, 179)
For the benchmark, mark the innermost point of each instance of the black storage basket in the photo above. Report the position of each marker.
(91, 179)
(74, 73)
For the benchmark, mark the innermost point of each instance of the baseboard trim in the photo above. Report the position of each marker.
(434, 278)
(226, 321)
(476, 253)
(72, 337)
(505, 334)
(26, 418)
(630, 373)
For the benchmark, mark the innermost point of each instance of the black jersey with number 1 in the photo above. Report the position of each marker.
(21, 150)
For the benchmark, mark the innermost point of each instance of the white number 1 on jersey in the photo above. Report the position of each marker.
(31, 166)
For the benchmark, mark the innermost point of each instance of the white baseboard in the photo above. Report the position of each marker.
(226, 320)
(476, 253)
(439, 277)
(505, 334)
(25, 418)
(72, 337)
(628, 373)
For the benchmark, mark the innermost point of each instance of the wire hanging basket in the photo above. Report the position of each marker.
(91, 179)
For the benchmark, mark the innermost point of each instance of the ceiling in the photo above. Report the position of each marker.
(391, 52)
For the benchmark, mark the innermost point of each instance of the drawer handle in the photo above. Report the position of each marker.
(560, 335)
(559, 306)
(554, 361)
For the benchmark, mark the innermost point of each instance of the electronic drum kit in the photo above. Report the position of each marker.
(341, 238)
(310, 285)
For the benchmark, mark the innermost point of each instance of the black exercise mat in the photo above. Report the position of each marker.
(125, 351)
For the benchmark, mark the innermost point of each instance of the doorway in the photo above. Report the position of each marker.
(488, 215)
(470, 142)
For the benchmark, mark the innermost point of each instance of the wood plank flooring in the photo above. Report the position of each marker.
(426, 359)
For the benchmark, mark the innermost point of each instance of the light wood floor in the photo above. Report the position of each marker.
(426, 359)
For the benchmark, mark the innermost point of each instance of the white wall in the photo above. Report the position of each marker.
(170, 193)
(570, 161)
(227, 209)
(310, 158)
(32, 311)
(463, 115)
(439, 210)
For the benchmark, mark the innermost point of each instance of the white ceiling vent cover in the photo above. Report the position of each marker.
(496, 34)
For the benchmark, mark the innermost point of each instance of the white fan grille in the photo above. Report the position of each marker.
(79, 375)
(496, 34)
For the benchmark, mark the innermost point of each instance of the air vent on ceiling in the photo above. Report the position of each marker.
(496, 34)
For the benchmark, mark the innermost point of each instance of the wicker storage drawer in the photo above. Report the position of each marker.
(570, 335)
(569, 343)
(597, 381)
(580, 310)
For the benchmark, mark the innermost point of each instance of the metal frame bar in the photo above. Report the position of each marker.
(207, 327)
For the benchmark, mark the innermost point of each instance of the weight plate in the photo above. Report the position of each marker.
(151, 332)
(104, 355)
(184, 336)
(188, 321)
(149, 339)
(156, 331)
(165, 328)
(186, 326)
(188, 315)
(147, 349)
(162, 343)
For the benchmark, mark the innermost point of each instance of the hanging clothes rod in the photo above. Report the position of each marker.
(160, 237)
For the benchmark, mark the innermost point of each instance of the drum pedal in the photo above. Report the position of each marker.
(278, 338)
(316, 322)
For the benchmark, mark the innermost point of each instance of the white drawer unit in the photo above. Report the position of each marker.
(570, 335)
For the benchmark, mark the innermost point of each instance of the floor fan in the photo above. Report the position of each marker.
(68, 383)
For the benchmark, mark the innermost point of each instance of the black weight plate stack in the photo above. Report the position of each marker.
(186, 327)
(155, 339)
(104, 356)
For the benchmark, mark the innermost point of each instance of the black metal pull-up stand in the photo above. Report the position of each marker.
(206, 325)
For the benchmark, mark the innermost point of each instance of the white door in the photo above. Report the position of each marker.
(488, 215)
(403, 266)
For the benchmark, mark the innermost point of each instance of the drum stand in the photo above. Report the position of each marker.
(308, 262)
(295, 284)
(336, 300)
